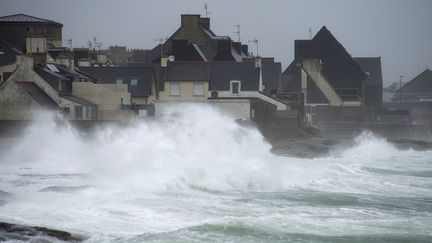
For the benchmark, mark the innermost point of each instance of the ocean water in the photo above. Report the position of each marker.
(195, 175)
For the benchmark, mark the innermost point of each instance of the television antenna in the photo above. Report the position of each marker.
(69, 43)
(255, 41)
(161, 42)
(237, 26)
(207, 13)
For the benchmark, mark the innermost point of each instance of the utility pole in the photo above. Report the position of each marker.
(237, 32)
(400, 91)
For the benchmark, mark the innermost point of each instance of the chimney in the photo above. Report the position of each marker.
(237, 47)
(205, 22)
(40, 58)
(245, 50)
(190, 20)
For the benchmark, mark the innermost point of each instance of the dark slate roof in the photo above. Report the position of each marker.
(223, 72)
(337, 65)
(7, 53)
(49, 76)
(219, 74)
(159, 75)
(272, 75)
(23, 18)
(72, 74)
(208, 51)
(109, 75)
(188, 71)
(140, 56)
(37, 95)
(372, 67)
(422, 83)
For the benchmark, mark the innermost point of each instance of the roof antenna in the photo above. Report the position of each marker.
(255, 41)
(237, 32)
(69, 42)
(207, 13)
(310, 33)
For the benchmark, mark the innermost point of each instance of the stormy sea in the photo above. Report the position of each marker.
(195, 175)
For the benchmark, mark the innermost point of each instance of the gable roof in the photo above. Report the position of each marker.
(422, 83)
(36, 94)
(52, 78)
(372, 67)
(24, 18)
(338, 67)
(108, 75)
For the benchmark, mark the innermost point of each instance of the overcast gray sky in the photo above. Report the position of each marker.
(397, 30)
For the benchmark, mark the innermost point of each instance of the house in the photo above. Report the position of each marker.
(416, 97)
(139, 80)
(236, 87)
(194, 41)
(27, 33)
(332, 82)
(31, 88)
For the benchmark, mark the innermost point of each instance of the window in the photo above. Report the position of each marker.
(198, 89)
(174, 89)
(119, 81)
(89, 112)
(78, 112)
(235, 87)
(134, 82)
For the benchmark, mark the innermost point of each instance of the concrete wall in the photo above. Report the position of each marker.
(186, 92)
(36, 44)
(138, 101)
(15, 104)
(236, 109)
(108, 98)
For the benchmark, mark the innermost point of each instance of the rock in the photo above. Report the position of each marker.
(27, 233)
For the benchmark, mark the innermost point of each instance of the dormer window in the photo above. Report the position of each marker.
(235, 87)
(134, 82)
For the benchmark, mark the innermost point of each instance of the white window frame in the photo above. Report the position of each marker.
(119, 81)
(170, 90)
(195, 84)
(232, 82)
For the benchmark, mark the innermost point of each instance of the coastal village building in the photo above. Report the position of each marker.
(323, 85)
(37, 74)
(27, 33)
(415, 96)
(339, 91)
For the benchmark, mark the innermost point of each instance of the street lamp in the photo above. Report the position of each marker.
(400, 91)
